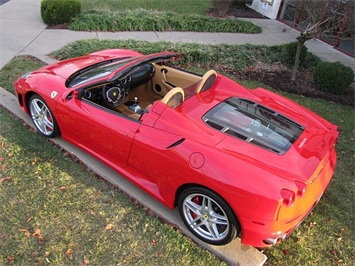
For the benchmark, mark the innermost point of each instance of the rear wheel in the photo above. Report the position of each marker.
(208, 216)
(42, 117)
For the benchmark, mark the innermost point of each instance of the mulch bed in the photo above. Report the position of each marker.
(303, 85)
(280, 78)
(238, 13)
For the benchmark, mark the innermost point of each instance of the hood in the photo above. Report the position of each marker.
(68, 67)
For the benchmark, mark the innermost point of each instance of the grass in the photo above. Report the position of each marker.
(198, 7)
(232, 56)
(23, 64)
(168, 15)
(148, 20)
(81, 218)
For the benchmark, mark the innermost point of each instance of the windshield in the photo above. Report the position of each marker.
(254, 123)
(96, 71)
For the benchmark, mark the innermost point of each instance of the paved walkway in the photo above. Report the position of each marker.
(22, 31)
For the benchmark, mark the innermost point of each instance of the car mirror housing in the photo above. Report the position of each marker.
(67, 96)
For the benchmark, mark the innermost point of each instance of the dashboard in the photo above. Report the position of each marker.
(137, 76)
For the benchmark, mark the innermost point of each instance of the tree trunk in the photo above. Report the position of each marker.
(297, 61)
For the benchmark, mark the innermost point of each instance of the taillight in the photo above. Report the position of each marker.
(288, 197)
(301, 188)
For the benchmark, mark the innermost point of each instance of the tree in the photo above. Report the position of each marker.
(315, 18)
(309, 33)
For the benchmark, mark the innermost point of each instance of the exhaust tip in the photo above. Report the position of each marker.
(274, 240)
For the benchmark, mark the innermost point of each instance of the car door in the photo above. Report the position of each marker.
(157, 156)
(100, 131)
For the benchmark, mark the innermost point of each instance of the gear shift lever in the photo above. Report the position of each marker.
(135, 107)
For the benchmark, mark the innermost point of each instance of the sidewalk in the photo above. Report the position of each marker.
(23, 32)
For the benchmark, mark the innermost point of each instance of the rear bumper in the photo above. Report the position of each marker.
(265, 233)
(270, 233)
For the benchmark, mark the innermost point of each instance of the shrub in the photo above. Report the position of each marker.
(56, 12)
(222, 6)
(228, 57)
(311, 61)
(145, 20)
(290, 50)
(333, 77)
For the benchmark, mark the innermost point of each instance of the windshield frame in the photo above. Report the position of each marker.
(112, 66)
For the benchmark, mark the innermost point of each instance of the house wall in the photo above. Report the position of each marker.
(268, 8)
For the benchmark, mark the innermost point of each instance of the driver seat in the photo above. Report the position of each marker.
(174, 97)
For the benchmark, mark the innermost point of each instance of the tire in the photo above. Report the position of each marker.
(208, 216)
(42, 117)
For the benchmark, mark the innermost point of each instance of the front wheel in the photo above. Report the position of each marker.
(42, 117)
(208, 216)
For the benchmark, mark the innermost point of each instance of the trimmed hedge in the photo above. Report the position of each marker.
(333, 77)
(228, 57)
(56, 12)
(143, 20)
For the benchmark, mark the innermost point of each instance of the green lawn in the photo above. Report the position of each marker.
(54, 211)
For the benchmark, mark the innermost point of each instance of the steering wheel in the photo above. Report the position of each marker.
(113, 96)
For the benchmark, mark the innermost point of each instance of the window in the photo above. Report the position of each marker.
(254, 123)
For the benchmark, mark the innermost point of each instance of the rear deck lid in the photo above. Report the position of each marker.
(254, 124)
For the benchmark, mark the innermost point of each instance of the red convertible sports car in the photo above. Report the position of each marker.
(233, 160)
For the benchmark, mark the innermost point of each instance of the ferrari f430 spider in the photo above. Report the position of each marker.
(234, 161)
